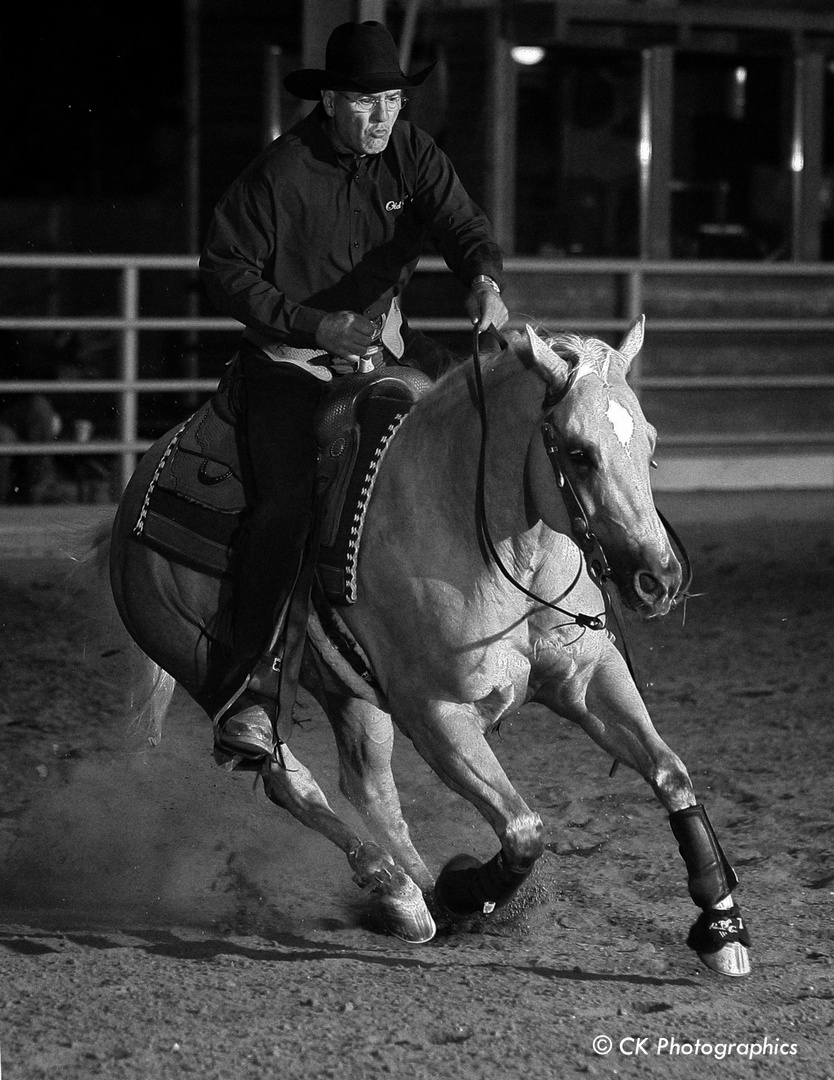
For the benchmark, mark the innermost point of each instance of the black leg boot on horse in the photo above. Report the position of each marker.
(719, 936)
(274, 559)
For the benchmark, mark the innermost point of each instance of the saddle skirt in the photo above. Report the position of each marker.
(199, 494)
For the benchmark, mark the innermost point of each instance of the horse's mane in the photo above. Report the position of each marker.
(588, 354)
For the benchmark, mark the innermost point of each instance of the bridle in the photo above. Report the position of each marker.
(488, 549)
(593, 553)
(596, 562)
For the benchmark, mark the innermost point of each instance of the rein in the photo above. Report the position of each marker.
(589, 622)
(595, 559)
(594, 556)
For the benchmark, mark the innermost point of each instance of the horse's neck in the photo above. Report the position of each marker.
(436, 456)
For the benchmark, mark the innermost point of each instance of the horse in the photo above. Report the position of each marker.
(514, 493)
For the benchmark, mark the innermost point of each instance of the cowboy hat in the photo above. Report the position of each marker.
(361, 57)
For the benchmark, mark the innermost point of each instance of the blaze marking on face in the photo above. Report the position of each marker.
(621, 422)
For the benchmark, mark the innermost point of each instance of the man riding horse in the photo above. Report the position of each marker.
(310, 249)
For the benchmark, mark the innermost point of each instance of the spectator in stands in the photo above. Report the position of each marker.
(25, 418)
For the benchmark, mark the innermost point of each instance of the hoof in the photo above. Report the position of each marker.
(721, 940)
(731, 959)
(403, 909)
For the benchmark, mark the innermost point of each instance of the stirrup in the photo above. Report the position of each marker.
(250, 729)
(264, 680)
(247, 733)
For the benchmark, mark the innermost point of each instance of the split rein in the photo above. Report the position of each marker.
(595, 560)
(488, 548)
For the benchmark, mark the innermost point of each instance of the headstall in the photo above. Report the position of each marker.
(594, 556)
(588, 543)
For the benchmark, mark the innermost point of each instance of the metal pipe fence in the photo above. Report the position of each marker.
(635, 275)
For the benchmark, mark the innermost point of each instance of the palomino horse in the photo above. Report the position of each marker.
(467, 615)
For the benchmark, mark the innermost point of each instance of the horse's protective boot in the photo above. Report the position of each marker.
(711, 878)
(465, 885)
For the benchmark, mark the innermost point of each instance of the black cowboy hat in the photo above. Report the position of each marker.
(361, 57)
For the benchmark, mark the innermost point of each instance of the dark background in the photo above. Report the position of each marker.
(96, 121)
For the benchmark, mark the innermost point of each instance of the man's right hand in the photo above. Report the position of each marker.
(345, 334)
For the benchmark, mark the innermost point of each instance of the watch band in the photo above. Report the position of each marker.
(482, 279)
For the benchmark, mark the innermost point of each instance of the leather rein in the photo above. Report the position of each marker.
(596, 562)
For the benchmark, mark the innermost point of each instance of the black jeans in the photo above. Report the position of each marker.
(280, 402)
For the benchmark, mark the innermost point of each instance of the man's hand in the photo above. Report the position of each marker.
(484, 306)
(345, 334)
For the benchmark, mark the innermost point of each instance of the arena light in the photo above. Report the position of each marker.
(527, 55)
(738, 98)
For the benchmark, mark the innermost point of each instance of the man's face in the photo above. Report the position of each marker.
(361, 123)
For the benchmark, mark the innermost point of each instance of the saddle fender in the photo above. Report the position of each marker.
(337, 427)
(352, 428)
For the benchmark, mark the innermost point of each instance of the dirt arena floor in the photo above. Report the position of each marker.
(159, 918)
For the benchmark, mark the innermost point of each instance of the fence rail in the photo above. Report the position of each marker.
(130, 323)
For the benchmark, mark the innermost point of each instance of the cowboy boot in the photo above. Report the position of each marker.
(246, 724)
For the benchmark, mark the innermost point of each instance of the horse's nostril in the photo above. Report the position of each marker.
(648, 585)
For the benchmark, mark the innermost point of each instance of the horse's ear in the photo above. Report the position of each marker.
(557, 369)
(632, 343)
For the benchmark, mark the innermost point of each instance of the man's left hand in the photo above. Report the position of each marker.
(484, 306)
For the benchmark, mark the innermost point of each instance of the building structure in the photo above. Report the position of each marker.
(634, 128)
(684, 146)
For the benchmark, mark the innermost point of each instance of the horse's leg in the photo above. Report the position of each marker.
(365, 740)
(293, 787)
(451, 739)
(167, 609)
(613, 713)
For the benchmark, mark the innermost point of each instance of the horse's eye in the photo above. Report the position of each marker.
(580, 457)
(653, 464)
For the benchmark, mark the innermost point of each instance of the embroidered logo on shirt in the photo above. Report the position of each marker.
(396, 205)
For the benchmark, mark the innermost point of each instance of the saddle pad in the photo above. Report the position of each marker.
(196, 500)
(204, 466)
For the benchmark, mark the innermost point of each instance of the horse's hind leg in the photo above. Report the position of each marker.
(615, 717)
(365, 740)
(293, 787)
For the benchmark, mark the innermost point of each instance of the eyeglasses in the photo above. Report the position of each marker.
(391, 102)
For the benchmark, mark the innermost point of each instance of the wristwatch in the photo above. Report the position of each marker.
(482, 279)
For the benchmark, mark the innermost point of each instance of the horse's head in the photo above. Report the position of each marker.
(601, 446)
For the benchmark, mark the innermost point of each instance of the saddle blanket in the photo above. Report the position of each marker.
(195, 502)
(197, 498)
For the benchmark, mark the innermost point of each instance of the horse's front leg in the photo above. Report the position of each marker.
(365, 741)
(292, 786)
(613, 713)
(451, 739)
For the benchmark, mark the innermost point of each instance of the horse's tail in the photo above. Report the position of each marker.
(148, 688)
(150, 695)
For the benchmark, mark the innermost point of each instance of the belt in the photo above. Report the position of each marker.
(324, 365)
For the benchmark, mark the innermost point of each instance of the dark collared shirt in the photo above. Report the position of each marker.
(304, 231)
